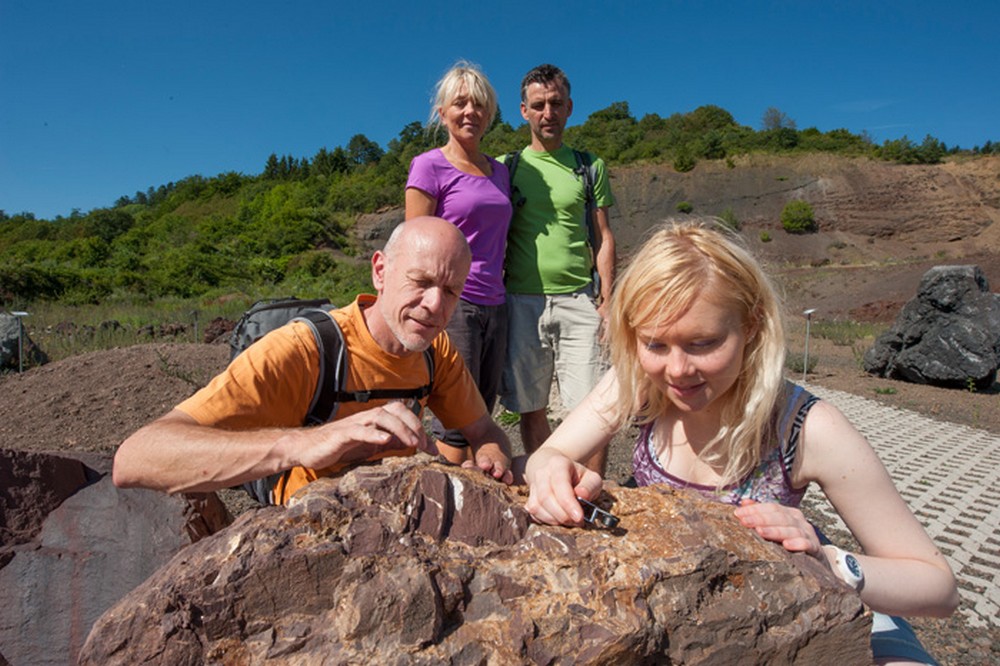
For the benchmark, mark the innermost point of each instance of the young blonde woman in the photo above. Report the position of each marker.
(459, 183)
(696, 341)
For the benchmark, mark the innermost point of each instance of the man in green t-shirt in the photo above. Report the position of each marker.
(555, 306)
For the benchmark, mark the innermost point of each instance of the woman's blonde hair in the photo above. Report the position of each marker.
(679, 263)
(476, 84)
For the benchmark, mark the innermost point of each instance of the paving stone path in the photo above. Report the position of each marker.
(950, 476)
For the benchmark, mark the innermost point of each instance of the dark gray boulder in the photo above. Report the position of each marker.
(948, 335)
(11, 339)
(71, 545)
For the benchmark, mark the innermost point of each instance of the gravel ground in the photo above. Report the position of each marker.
(93, 401)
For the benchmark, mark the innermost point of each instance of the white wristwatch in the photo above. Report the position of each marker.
(849, 568)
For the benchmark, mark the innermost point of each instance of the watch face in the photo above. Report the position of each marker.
(853, 565)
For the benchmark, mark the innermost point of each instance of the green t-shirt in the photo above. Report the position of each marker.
(547, 250)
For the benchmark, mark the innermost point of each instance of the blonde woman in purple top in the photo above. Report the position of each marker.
(459, 183)
(697, 345)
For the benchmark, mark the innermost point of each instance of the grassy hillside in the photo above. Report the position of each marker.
(217, 244)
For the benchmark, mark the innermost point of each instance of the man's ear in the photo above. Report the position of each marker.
(524, 110)
(569, 107)
(378, 271)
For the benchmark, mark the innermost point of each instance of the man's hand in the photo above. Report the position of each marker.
(490, 447)
(362, 436)
(492, 460)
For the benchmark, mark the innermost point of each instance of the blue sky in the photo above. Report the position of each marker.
(100, 99)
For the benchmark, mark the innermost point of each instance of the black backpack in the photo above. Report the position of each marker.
(265, 316)
(588, 172)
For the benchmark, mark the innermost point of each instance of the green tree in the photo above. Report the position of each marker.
(326, 163)
(710, 145)
(272, 169)
(709, 117)
(608, 132)
(108, 224)
(931, 150)
(362, 151)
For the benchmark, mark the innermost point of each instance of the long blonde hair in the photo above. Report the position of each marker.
(679, 263)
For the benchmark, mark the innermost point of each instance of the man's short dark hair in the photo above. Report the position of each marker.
(543, 74)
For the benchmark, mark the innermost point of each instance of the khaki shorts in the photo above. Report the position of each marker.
(550, 335)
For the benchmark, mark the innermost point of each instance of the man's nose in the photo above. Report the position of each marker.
(433, 299)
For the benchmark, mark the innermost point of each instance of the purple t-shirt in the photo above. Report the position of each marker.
(480, 208)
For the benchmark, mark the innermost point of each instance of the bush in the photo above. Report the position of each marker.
(797, 217)
(765, 237)
(684, 207)
(684, 161)
(795, 363)
(728, 218)
(846, 333)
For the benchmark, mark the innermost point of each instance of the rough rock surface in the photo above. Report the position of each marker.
(71, 544)
(415, 562)
(948, 335)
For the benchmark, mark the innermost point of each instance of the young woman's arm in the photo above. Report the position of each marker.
(554, 473)
(904, 573)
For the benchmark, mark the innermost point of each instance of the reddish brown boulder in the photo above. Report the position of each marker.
(410, 562)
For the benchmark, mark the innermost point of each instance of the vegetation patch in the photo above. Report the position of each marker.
(797, 217)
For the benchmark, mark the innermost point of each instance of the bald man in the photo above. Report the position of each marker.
(246, 424)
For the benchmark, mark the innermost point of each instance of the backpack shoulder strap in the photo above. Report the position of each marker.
(429, 359)
(330, 390)
(332, 368)
(511, 161)
(586, 169)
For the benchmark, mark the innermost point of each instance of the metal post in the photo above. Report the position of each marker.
(805, 361)
(20, 340)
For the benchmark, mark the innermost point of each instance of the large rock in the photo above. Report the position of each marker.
(71, 545)
(948, 335)
(12, 337)
(410, 562)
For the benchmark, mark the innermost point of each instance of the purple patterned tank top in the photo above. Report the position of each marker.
(770, 482)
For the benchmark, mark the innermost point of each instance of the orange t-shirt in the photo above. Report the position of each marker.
(271, 384)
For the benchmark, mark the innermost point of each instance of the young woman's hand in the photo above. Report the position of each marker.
(781, 524)
(556, 482)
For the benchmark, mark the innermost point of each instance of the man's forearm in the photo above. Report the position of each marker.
(175, 454)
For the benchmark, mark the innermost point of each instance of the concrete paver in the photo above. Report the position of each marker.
(950, 476)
